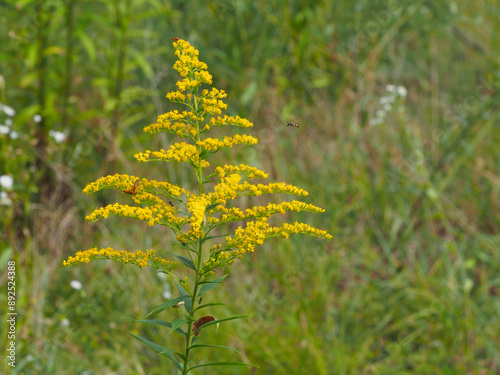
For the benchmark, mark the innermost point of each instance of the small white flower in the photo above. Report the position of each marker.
(75, 284)
(8, 110)
(8, 122)
(376, 121)
(390, 88)
(4, 199)
(37, 118)
(380, 113)
(6, 181)
(14, 135)
(65, 322)
(387, 99)
(4, 129)
(58, 136)
(387, 107)
(402, 91)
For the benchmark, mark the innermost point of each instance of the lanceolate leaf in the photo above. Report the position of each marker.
(217, 321)
(210, 304)
(161, 323)
(183, 293)
(212, 346)
(210, 206)
(168, 304)
(223, 364)
(210, 285)
(186, 261)
(160, 349)
(176, 323)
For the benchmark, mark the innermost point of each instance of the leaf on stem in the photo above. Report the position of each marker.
(162, 350)
(160, 323)
(184, 298)
(207, 285)
(208, 322)
(223, 364)
(184, 293)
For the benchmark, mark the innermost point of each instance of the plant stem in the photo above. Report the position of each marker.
(193, 308)
(189, 338)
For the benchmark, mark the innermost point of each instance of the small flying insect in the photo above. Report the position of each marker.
(132, 191)
(170, 203)
(292, 124)
(175, 39)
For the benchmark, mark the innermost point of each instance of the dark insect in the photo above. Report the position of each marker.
(132, 191)
(175, 39)
(292, 124)
(201, 299)
(170, 203)
(201, 322)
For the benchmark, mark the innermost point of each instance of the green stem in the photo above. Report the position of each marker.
(189, 338)
(189, 333)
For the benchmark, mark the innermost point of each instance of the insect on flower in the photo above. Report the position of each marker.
(175, 39)
(132, 191)
(292, 124)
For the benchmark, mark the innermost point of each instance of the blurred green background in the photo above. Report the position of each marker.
(398, 106)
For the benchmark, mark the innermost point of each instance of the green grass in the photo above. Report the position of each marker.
(410, 283)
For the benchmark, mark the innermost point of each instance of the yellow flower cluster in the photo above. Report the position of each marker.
(187, 62)
(176, 96)
(245, 239)
(213, 106)
(242, 169)
(273, 187)
(181, 126)
(139, 258)
(128, 183)
(210, 144)
(159, 214)
(286, 229)
(177, 152)
(205, 210)
(163, 188)
(214, 93)
(230, 188)
(230, 120)
(235, 214)
(196, 206)
(117, 181)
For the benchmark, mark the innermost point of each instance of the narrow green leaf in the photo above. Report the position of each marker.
(88, 45)
(160, 349)
(168, 304)
(212, 346)
(176, 323)
(223, 364)
(142, 62)
(217, 321)
(186, 261)
(160, 323)
(184, 293)
(207, 285)
(210, 304)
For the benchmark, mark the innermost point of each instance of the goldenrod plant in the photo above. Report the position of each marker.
(196, 214)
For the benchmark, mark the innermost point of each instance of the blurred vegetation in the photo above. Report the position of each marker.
(410, 284)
